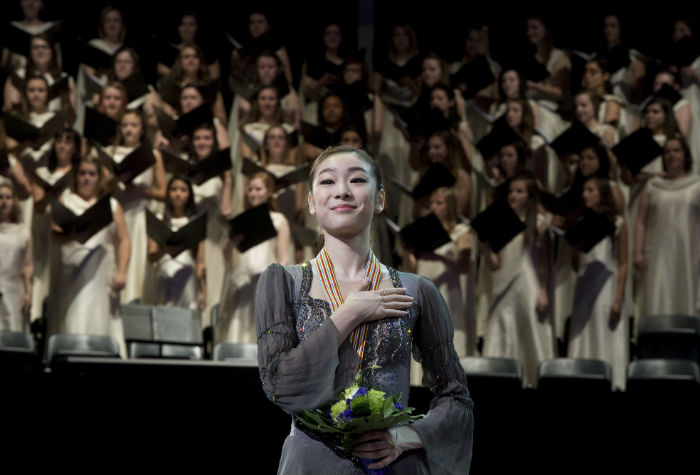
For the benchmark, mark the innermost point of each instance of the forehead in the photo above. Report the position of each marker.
(341, 162)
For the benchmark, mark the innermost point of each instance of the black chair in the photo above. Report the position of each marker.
(669, 336)
(62, 346)
(493, 378)
(574, 376)
(236, 352)
(17, 352)
(677, 376)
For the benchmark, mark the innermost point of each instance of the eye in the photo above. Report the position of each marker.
(358, 179)
(326, 181)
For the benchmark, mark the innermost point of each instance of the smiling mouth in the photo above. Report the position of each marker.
(343, 208)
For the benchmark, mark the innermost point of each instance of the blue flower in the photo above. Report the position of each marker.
(348, 401)
(360, 392)
(398, 406)
(346, 415)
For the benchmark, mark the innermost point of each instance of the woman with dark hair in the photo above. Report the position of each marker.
(87, 277)
(598, 327)
(31, 24)
(556, 87)
(243, 269)
(666, 246)
(519, 324)
(625, 65)
(267, 72)
(188, 33)
(41, 62)
(191, 68)
(33, 108)
(64, 156)
(332, 117)
(179, 280)
(323, 70)
(265, 111)
(308, 352)
(613, 109)
(443, 148)
(16, 265)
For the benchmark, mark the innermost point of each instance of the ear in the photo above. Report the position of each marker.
(380, 201)
(310, 201)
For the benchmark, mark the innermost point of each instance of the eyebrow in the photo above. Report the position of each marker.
(351, 169)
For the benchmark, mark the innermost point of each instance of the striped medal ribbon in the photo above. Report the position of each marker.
(326, 275)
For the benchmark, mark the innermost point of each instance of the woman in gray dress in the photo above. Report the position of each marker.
(310, 322)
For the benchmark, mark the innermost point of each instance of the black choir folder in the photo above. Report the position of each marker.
(25, 132)
(83, 227)
(589, 230)
(574, 139)
(255, 225)
(94, 57)
(425, 234)
(138, 161)
(99, 127)
(186, 123)
(297, 175)
(435, 177)
(498, 225)
(53, 190)
(187, 237)
(638, 149)
(200, 171)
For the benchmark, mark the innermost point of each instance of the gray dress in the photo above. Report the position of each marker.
(301, 367)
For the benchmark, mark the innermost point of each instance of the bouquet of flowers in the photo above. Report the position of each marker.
(358, 409)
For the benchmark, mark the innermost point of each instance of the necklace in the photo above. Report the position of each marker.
(326, 275)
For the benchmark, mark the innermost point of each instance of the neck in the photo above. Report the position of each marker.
(675, 174)
(131, 143)
(349, 255)
(178, 212)
(86, 196)
(40, 110)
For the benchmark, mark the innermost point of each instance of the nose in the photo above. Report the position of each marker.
(342, 190)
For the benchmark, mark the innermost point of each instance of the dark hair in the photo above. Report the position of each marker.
(670, 126)
(358, 130)
(522, 84)
(267, 53)
(687, 158)
(178, 74)
(23, 107)
(337, 149)
(521, 152)
(101, 20)
(444, 67)
(452, 115)
(289, 157)
(607, 202)
(190, 206)
(74, 137)
(204, 126)
(134, 56)
(604, 66)
(527, 125)
(603, 166)
(254, 114)
(454, 159)
(196, 87)
(102, 188)
(54, 70)
(321, 120)
(412, 37)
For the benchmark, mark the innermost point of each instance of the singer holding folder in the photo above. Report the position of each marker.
(308, 315)
(90, 258)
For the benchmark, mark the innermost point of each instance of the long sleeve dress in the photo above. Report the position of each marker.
(672, 247)
(514, 329)
(134, 200)
(80, 298)
(14, 239)
(590, 332)
(174, 277)
(302, 367)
